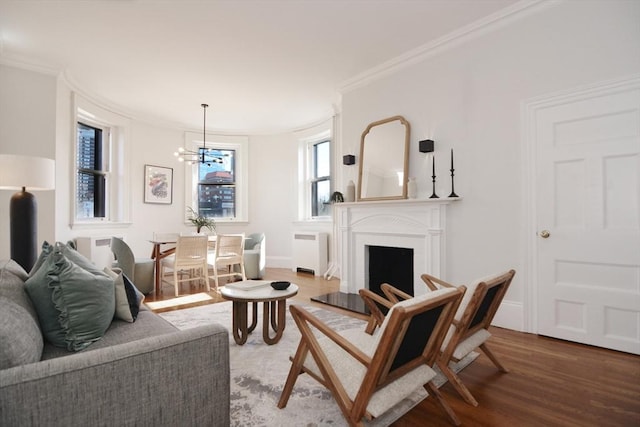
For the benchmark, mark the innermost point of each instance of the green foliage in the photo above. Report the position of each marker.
(201, 221)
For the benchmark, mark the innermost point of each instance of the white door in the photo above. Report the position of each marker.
(588, 217)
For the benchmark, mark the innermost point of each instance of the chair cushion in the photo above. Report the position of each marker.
(351, 373)
(75, 306)
(471, 289)
(470, 344)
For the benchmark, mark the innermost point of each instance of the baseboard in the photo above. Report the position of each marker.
(278, 262)
(510, 315)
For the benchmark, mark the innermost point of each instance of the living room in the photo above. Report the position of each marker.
(476, 92)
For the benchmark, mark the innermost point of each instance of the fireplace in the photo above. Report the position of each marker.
(415, 225)
(389, 265)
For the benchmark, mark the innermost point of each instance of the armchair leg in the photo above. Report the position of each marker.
(433, 391)
(296, 369)
(457, 383)
(493, 358)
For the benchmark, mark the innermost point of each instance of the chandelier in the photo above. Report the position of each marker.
(204, 155)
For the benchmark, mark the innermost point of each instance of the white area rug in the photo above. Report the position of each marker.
(258, 373)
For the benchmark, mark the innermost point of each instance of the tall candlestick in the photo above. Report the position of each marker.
(433, 178)
(453, 193)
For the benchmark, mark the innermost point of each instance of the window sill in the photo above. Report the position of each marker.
(99, 225)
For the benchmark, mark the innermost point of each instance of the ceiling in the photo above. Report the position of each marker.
(263, 66)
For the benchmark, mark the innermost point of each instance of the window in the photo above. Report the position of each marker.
(217, 184)
(91, 176)
(101, 187)
(320, 178)
(218, 187)
(315, 169)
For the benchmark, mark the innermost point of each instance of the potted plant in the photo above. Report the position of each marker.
(201, 221)
(337, 197)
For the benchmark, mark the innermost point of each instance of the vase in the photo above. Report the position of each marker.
(350, 194)
(412, 188)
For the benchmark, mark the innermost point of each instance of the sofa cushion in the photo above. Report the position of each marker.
(20, 337)
(128, 298)
(148, 324)
(75, 306)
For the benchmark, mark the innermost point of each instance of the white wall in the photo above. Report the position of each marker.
(27, 127)
(469, 98)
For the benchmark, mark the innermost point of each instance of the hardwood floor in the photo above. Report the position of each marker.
(551, 382)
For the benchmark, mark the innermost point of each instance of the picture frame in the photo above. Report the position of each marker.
(158, 184)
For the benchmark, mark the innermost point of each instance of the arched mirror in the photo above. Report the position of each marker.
(384, 160)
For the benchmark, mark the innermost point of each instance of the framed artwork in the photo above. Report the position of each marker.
(158, 184)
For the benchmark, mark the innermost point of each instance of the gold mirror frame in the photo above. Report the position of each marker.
(384, 155)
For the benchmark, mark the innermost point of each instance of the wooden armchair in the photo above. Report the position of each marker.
(369, 374)
(470, 327)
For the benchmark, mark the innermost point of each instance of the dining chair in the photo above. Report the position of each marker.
(366, 374)
(229, 252)
(139, 270)
(470, 327)
(190, 259)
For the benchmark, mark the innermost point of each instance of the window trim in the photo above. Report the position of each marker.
(116, 164)
(305, 160)
(193, 141)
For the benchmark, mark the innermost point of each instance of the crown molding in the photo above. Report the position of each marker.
(27, 64)
(469, 32)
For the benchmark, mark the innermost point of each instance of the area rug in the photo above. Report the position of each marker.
(258, 373)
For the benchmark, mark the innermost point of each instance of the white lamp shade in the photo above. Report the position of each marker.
(33, 173)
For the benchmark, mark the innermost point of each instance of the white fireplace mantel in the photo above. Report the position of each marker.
(417, 224)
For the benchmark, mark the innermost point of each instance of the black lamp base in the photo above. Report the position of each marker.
(23, 229)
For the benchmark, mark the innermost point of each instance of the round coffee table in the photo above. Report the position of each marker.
(273, 312)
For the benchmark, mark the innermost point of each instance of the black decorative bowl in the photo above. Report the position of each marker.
(280, 286)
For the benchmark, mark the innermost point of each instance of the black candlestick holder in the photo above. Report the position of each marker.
(453, 192)
(433, 181)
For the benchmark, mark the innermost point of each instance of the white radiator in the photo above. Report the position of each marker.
(310, 253)
(97, 249)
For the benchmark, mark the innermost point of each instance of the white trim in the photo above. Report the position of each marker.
(306, 138)
(529, 110)
(510, 315)
(119, 197)
(469, 32)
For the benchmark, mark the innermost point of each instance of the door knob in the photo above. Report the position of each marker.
(545, 234)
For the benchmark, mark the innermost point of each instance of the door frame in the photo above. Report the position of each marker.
(529, 111)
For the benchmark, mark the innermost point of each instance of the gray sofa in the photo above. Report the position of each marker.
(141, 373)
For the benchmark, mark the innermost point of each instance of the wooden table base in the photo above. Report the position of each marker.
(273, 317)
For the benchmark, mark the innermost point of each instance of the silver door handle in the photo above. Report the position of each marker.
(545, 234)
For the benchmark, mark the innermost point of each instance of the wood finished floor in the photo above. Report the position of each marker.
(551, 382)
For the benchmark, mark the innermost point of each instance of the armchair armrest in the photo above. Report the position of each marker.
(431, 282)
(160, 380)
(371, 300)
(303, 319)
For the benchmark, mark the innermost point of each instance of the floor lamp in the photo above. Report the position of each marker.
(22, 173)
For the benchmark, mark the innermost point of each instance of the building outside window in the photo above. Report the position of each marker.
(91, 176)
(217, 184)
(218, 187)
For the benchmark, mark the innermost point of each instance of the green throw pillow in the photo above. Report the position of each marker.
(75, 307)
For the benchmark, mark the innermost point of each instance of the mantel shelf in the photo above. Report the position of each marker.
(363, 203)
